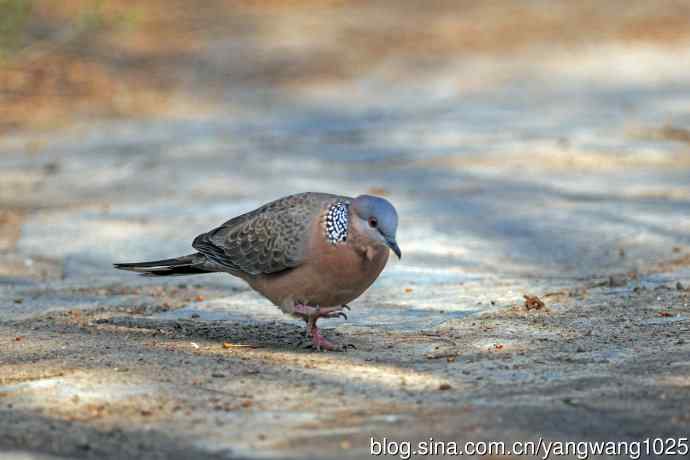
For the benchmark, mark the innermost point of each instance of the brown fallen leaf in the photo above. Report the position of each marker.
(673, 133)
(532, 302)
(498, 346)
(228, 345)
(444, 386)
(451, 355)
(664, 314)
(199, 298)
(408, 290)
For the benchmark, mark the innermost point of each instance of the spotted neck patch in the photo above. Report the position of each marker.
(337, 218)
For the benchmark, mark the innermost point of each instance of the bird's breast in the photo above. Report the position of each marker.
(331, 274)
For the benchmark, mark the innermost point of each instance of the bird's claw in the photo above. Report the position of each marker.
(338, 314)
(310, 313)
(322, 343)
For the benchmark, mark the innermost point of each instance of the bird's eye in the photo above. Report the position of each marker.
(373, 222)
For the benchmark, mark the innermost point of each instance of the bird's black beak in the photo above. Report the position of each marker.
(394, 247)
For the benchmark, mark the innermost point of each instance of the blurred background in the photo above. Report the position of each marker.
(511, 134)
(75, 59)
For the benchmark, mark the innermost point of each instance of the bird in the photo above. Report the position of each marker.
(310, 254)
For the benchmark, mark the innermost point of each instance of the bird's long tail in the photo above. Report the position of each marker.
(193, 264)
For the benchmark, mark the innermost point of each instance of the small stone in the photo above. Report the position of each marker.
(218, 375)
(679, 286)
(196, 315)
(618, 280)
(84, 445)
(580, 350)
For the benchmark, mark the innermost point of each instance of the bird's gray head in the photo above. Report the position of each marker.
(377, 219)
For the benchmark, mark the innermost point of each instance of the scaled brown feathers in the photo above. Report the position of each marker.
(267, 240)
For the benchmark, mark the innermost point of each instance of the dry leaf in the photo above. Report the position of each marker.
(227, 345)
(532, 302)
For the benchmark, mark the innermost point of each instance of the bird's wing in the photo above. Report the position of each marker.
(267, 240)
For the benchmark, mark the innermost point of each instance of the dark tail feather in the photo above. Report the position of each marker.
(192, 264)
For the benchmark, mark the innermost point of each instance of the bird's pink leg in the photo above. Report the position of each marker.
(320, 342)
(311, 315)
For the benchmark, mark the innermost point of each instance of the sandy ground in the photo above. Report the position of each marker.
(527, 170)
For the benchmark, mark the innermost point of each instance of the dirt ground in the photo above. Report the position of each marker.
(103, 385)
(530, 151)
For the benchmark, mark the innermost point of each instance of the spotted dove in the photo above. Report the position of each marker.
(310, 254)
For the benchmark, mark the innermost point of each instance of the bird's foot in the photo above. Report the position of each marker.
(308, 312)
(311, 315)
(319, 342)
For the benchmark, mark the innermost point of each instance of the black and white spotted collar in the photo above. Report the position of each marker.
(337, 219)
